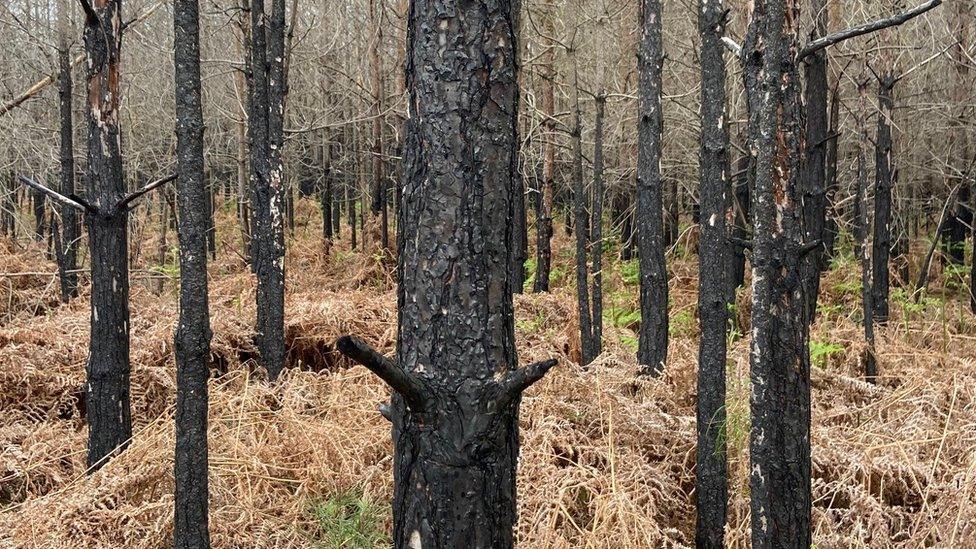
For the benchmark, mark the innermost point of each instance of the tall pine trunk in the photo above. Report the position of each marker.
(779, 359)
(192, 340)
(108, 369)
(265, 125)
(652, 349)
(881, 244)
(455, 409)
(70, 229)
(711, 468)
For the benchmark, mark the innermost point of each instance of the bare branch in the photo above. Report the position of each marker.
(56, 196)
(520, 379)
(401, 381)
(831, 39)
(136, 194)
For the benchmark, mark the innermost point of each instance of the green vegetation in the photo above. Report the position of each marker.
(348, 520)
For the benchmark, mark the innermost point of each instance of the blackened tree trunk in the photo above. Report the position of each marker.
(881, 244)
(192, 341)
(861, 234)
(351, 216)
(582, 228)
(70, 229)
(652, 349)
(265, 123)
(326, 199)
(831, 230)
(596, 244)
(40, 219)
(544, 211)
(813, 178)
(779, 358)
(456, 380)
(107, 398)
(711, 486)
(379, 192)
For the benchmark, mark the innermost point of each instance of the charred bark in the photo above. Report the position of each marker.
(265, 123)
(861, 234)
(456, 381)
(711, 487)
(107, 389)
(192, 339)
(817, 141)
(70, 229)
(544, 207)
(780, 364)
(881, 244)
(652, 350)
(596, 244)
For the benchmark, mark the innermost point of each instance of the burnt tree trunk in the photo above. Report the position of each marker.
(456, 380)
(780, 364)
(861, 235)
(742, 184)
(378, 207)
(543, 220)
(582, 228)
(192, 340)
(107, 388)
(596, 244)
(881, 244)
(711, 486)
(831, 230)
(652, 349)
(520, 236)
(814, 172)
(265, 124)
(69, 227)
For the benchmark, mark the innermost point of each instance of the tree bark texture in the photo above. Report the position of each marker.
(711, 486)
(455, 408)
(881, 244)
(779, 358)
(652, 349)
(108, 369)
(192, 340)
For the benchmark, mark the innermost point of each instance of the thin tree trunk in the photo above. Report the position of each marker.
(596, 244)
(711, 477)
(107, 399)
(543, 220)
(812, 180)
(192, 340)
(779, 447)
(652, 348)
(267, 139)
(456, 380)
(376, 71)
(830, 231)
(881, 245)
(861, 234)
(582, 228)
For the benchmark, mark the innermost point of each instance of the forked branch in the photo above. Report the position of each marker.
(520, 379)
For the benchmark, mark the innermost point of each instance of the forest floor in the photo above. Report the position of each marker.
(607, 460)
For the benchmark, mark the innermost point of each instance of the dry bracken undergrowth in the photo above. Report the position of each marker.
(607, 460)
